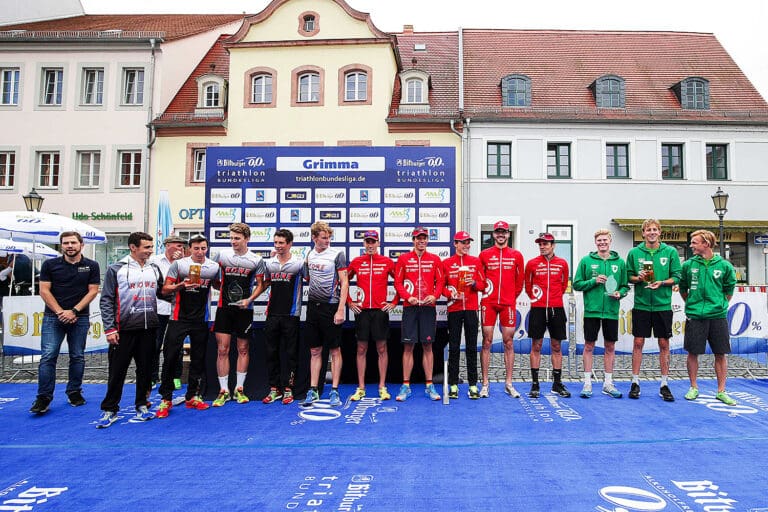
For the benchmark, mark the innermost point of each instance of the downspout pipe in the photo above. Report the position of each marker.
(153, 43)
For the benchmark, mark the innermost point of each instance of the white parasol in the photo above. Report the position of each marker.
(45, 227)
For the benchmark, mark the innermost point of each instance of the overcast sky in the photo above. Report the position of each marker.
(741, 26)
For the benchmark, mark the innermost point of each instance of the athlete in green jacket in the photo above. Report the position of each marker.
(602, 277)
(707, 285)
(654, 268)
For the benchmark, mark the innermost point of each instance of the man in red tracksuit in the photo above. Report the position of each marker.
(371, 308)
(419, 281)
(503, 268)
(546, 279)
(463, 279)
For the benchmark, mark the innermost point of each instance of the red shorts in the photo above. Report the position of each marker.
(490, 312)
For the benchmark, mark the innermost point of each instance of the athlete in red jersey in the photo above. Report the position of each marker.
(371, 308)
(546, 279)
(503, 268)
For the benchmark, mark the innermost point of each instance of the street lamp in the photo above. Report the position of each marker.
(33, 201)
(720, 199)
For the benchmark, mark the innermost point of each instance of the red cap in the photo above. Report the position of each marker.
(545, 237)
(371, 235)
(419, 231)
(501, 226)
(461, 236)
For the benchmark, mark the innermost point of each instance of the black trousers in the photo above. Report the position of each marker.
(139, 346)
(159, 350)
(172, 353)
(281, 343)
(470, 321)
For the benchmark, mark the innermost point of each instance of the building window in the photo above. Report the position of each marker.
(7, 168)
(609, 92)
(499, 161)
(558, 160)
(198, 171)
(617, 160)
(414, 91)
(53, 83)
(563, 233)
(130, 169)
(355, 86)
(48, 169)
(309, 23)
(672, 161)
(261, 89)
(309, 88)
(88, 169)
(133, 86)
(516, 91)
(717, 161)
(693, 93)
(9, 86)
(212, 95)
(93, 87)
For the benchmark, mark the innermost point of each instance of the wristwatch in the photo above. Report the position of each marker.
(76, 311)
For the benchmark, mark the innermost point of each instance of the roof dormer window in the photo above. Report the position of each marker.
(609, 92)
(693, 93)
(415, 92)
(516, 91)
(211, 95)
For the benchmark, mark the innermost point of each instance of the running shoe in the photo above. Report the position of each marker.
(723, 397)
(143, 414)
(559, 388)
(666, 394)
(358, 394)
(222, 398)
(485, 392)
(384, 393)
(196, 403)
(287, 396)
(273, 396)
(610, 390)
(634, 391)
(511, 391)
(534, 392)
(586, 390)
(311, 398)
(164, 408)
(176, 383)
(454, 392)
(473, 393)
(106, 420)
(75, 399)
(431, 392)
(404, 393)
(240, 396)
(41, 405)
(334, 399)
(692, 394)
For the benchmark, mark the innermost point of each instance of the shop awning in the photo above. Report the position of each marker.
(748, 226)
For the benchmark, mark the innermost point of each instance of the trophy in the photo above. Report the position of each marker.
(648, 269)
(611, 286)
(234, 294)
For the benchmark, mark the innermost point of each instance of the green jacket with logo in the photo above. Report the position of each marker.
(596, 303)
(666, 264)
(708, 284)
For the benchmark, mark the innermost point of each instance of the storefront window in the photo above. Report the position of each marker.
(113, 251)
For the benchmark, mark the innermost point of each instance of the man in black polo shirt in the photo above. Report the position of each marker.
(68, 284)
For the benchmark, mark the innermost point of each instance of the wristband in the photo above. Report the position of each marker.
(76, 311)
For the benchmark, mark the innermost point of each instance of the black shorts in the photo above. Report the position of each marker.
(543, 319)
(372, 325)
(651, 324)
(418, 324)
(233, 320)
(714, 330)
(592, 326)
(319, 328)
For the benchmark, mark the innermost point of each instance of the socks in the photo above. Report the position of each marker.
(557, 375)
(535, 374)
(664, 380)
(240, 379)
(587, 377)
(224, 383)
(608, 379)
(636, 379)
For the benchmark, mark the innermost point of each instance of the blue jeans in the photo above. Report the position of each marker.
(51, 338)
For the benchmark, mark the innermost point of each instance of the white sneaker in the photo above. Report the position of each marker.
(484, 391)
(511, 391)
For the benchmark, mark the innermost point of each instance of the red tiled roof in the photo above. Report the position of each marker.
(440, 60)
(175, 26)
(563, 64)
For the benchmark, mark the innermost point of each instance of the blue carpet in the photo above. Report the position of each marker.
(496, 454)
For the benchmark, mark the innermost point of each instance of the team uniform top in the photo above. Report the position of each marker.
(192, 305)
(708, 284)
(129, 296)
(470, 301)
(666, 265)
(237, 274)
(286, 285)
(163, 263)
(503, 269)
(419, 276)
(372, 272)
(546, 281)
(323, 272)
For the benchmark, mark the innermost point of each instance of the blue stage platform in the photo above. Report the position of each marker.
(492, 454)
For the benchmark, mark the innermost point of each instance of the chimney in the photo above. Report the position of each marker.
(407, 29)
